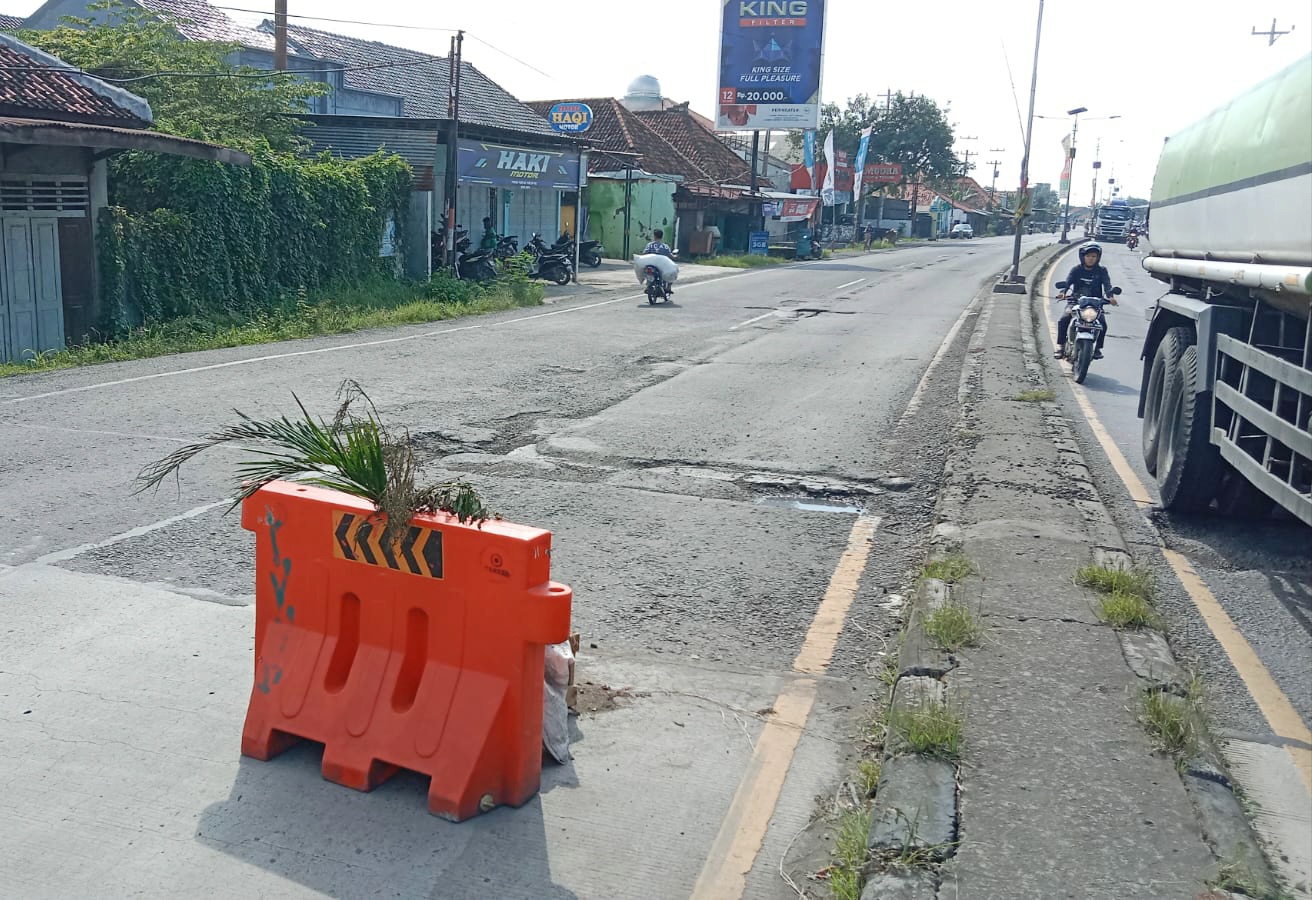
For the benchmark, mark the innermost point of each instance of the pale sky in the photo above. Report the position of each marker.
(1158, 64)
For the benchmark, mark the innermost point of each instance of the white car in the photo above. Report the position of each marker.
(962, 230)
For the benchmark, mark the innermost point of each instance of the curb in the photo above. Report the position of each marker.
(915, 805)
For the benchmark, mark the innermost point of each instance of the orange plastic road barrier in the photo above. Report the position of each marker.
(426, 655)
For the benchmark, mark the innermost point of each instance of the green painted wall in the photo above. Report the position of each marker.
(652, 207)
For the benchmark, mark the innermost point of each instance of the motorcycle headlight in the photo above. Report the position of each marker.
(1089, 314)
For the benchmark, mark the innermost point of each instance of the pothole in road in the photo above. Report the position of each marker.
(811, 504)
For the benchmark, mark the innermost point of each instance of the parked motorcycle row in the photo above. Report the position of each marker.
(555, 262)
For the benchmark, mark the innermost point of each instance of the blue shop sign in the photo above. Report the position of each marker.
(758, 243)
(570, 118)
(503, 165)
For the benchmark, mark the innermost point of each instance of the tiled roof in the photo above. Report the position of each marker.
(9, 23)
(420, 78)
(198, 21)
(30, 86)
(667, 103)
(614, 127)
(678, 126)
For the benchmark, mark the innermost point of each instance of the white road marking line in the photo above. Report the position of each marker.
(918, 395)
(353, 346)
(63, 555)
(757, 319)
(849, 284)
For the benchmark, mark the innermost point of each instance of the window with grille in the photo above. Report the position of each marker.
(66, 196)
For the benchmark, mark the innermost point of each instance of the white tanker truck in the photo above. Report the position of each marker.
(1226, 394)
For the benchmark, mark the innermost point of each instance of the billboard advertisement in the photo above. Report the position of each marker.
(503, 165)
(770, 61)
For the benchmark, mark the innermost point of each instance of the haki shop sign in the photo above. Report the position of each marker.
(502, 165)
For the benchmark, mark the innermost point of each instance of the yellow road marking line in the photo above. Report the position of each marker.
(736, 846)
(1279, 713)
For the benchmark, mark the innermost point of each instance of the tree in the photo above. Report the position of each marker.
(1046, 199)
(214, 100)
(910, 130)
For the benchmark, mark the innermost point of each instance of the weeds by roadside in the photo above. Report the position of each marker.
(742, 262)
(377, 304)
(1127, 600)
(953, 626)
(867, 776)
(1035, 396)
(1173, 722)
(952, 568)
(1238, 875)
(845, 879)
(934, 729)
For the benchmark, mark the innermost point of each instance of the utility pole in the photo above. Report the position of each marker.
(994, 163)
(1272, 34)
(280, 35)
(1097, 166)
(451, 181)
(1015, 279)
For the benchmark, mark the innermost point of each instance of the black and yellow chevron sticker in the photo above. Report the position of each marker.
(360, 539)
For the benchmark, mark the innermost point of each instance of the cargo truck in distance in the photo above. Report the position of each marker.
(1112, 221)
(1226, 393)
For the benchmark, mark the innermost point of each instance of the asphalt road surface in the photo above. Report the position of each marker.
(706, 467)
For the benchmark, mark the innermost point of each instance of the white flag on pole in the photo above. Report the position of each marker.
(827, 192)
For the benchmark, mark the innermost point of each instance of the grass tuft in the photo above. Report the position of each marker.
(952, 568)
(1127, 611)
(850, 853)
(1238, 875)
(1036, 396)
(1115, 580)
(1172, 722)
(868, 772)
(953, 626)
(934, 729)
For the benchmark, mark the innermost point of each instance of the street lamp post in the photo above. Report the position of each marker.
(1070, 162)
(1015, 280)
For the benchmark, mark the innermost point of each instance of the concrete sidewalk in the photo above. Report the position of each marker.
(1060, 792)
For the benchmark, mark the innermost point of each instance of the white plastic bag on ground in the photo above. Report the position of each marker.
(555, 712)
(668, 268)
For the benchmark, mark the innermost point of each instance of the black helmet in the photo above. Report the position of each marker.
(1091, 248)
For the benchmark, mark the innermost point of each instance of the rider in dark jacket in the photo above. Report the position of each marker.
(1088, 279)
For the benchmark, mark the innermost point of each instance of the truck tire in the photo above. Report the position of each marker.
(1188, 466)
(1169, 350)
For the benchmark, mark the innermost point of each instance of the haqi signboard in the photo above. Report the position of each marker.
(570, 118)
(771, 53)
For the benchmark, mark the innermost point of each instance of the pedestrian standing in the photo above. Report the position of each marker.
(870, 236)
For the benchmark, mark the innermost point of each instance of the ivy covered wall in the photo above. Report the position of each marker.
(189, 238)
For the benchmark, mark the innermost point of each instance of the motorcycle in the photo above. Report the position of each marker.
(1132, 242)
(473, 265)
(507, 246)
(590, 252)
(1088, 321)
(549, 263)
(655, 286)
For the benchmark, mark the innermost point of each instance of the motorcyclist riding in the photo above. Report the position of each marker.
(1088, 279)
(658, 245)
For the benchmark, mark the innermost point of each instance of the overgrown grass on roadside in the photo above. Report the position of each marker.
(1238, 875)
(376, 304)
(1127, 600)
(1172, 721)
(742, 262)
(952, 568)
(933, 729)
(867, 776)
(953, 626)
(1035, 396)
(850, 851)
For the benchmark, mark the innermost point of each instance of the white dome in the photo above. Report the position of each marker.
(644, 93)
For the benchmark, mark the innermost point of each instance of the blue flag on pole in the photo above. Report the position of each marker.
(808, 153)
(860, 164)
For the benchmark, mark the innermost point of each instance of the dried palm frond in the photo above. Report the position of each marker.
(356, 454)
